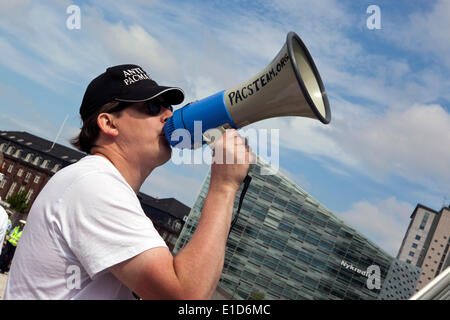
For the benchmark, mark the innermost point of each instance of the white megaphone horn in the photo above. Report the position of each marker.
(289, 86)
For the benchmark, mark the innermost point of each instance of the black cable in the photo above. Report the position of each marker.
(246, 182)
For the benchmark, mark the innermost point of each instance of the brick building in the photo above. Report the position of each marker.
(168, 216)
(29, 162)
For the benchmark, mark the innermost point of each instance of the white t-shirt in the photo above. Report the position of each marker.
(86, 219)
(3, 226)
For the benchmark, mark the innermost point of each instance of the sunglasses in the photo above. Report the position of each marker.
(153, 106)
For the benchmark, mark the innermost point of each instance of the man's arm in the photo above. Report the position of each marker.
(195, 271)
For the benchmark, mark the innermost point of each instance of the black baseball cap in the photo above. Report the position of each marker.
(125, 83)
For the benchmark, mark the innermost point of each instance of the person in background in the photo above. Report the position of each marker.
(11, 245)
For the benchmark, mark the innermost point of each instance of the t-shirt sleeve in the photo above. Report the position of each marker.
(103, 223)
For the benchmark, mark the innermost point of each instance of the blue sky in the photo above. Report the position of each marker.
(385, 150)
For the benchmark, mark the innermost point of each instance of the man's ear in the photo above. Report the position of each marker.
(106, 123)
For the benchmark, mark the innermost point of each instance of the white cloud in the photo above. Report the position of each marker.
(424, 32)
(411, 143)
(408, 143)
(41, 48)
(384, 222)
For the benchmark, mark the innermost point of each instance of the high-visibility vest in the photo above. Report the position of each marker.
(15, 236)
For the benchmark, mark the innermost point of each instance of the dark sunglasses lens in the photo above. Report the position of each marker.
(154, 107)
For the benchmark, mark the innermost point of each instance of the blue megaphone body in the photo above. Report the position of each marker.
(211, 111)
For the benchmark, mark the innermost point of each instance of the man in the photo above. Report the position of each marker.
(10, 247)
(87, 236)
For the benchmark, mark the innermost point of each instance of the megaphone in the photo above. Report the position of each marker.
(289, 86)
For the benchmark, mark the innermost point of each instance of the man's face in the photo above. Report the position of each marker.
(142, 134)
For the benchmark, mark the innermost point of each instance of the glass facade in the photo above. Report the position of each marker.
(286, 245)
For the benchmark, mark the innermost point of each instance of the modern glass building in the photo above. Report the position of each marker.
(287, 245)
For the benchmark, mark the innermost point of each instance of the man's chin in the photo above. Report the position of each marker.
(167, 150)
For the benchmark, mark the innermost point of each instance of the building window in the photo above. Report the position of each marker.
(17, 153)
(411, 254)
(37, 178)
(177, 226)
(418, 237)
(407, 261)
(27, 177)
(11, 190)
(20, 172)
(11, 167)
(3, 182)
(44, 164)
(56, 167)
(424, 221)
(414, 245)
(29, 194)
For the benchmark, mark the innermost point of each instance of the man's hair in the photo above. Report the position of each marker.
(90, 131)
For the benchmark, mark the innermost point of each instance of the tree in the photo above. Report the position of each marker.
(257, 295)
(18, 201)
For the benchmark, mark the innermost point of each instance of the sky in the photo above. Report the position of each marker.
(385, 150)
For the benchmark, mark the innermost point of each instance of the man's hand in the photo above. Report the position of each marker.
(231, 160)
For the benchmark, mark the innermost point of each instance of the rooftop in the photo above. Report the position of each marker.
(170, 205)
(32, 142)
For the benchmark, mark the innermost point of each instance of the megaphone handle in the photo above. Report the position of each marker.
(208, 136)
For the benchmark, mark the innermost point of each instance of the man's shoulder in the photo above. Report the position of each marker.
(87, 176)
(89, 166)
